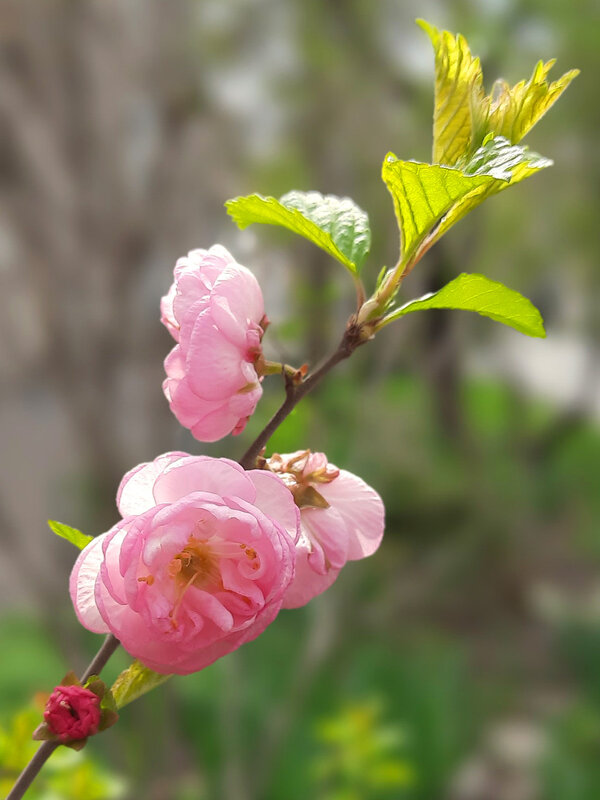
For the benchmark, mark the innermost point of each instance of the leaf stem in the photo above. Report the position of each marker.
(46, 749)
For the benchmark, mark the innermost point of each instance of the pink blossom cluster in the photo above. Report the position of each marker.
(207, 553)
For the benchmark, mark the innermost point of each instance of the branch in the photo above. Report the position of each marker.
(98, 663)
(295, 392)
(46, 749)
(353, 337)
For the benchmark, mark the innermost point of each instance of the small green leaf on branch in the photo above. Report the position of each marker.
(72, 535)
(484, 296)
(108, 706)
(335, 224)
(135, 681)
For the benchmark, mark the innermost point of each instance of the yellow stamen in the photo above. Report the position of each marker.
(175, 609)
(196, 565)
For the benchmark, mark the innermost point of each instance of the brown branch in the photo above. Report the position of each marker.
(46, 749)
(295, 392)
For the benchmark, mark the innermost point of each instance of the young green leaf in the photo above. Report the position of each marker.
(464, 115)
(484, 296)
(499, 159)
(512, 111)
(335, 224)
(458, 84)
(503, 163)
(72, 535)
(424, 194)
(430, 198)
(135, 681)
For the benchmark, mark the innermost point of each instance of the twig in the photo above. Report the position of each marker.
(99, 661)
(46, 749)
(295, 392)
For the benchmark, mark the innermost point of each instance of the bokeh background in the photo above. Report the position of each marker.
(462, 661)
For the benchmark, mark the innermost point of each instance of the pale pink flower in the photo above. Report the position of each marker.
(341, 519)
(198, 566)
(215, 311)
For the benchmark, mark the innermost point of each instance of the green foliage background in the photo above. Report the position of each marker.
(470, 643)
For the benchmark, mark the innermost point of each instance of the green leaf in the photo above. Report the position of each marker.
(463, 115)
(503, 163)
(499, 159)
(487, 297)
(424, 194)
(430, 198)
(458, 84)
(512, 111)
(335, 224)
(72, 535)
(135, 681)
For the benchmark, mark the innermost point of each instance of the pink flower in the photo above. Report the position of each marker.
(214, 310)
(198, 566)
(72, 712)
(341, 519)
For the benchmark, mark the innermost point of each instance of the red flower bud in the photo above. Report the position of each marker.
(72, 712)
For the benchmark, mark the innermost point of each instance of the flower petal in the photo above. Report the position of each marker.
(135, 492)
(213, 363)
(361, 509)
(307, 583)
(242, 291)
(82, 583)
(276, 501)
(202, 474)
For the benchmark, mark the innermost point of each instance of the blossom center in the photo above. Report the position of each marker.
(195, 564)
(198, 565)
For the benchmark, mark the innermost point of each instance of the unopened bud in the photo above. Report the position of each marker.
(72, 712)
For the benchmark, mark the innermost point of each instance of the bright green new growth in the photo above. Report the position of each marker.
(422, 195)
(429, 198)
(72, 535)
(488, 298)
(499, 159)
(335, 224)
(513, 111)
(135, 681)
(464, 115)
(457, 79)
(476, 155)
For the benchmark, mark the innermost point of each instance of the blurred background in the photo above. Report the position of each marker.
(461, 662)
